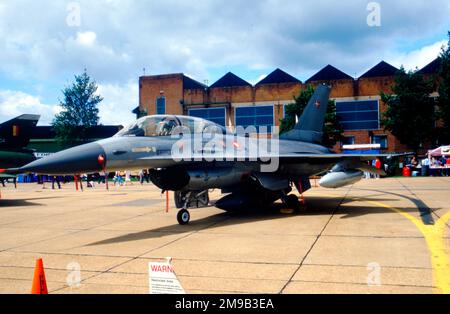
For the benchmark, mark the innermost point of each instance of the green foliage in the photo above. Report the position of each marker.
(79, 112)
(332, 128)
(444, 95)
(410, 109)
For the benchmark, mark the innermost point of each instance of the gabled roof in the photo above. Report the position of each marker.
(189, 83)
(329, 73)
(381, 69)
(230, 80)
(278, 76)
(432, 67)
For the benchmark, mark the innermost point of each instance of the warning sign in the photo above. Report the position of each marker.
(163, 279)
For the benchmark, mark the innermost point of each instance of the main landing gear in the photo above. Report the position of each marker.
(189, 199)
(291, 201)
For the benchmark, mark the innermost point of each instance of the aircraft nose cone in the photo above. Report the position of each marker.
(81, 159)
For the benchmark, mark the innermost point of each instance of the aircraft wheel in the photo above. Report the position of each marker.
(183, 217)
(293, 202)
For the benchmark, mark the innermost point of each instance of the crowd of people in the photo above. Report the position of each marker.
(120, 178)
(430, 166)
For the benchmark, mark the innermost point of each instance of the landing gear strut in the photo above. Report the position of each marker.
(189, 199)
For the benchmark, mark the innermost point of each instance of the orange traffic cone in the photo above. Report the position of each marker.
(39, 282)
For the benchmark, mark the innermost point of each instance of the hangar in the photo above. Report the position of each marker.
(233, 101)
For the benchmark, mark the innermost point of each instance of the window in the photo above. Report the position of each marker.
(358, 115)
(380, 139)
(257, 116)
(348, 140)
(161, 105)
(216, 115)
(284, 110)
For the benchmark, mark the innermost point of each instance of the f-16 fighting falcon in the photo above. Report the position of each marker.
(190, 156)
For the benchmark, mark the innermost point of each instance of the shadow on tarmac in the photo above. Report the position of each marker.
(426, 213)
(315, 206)
(17, 203)
(22, 202)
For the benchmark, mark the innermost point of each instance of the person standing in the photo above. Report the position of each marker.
(119, 178)
(378, 165)
(141, 177)
(102, 178)
(56, 179)
(128, 178)
(146, 176)
(425, 167)
(447, 167)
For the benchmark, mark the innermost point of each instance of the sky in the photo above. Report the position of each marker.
(43, 44)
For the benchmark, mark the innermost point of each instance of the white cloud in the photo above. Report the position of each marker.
(261, 77)
(420, 57)
(118, 102)
(116, 39)
(16, 103)
(115, 109)
(86, 38)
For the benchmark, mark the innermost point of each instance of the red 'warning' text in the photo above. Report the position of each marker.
(162, 269)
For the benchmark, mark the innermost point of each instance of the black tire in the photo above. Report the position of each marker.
(183, 217)
(293, 202)
(178, 198)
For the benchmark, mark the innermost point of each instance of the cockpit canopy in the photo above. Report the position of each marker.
(168, 125)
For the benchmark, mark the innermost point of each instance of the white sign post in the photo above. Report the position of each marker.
(162, 279)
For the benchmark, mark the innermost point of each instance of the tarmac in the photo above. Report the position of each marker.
(377, 236)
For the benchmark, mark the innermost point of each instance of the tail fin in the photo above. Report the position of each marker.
(310, 126)
(16, 133)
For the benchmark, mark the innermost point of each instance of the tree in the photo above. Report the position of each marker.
(444, 94)
(410, 109)
(332, 128)
(79, 112)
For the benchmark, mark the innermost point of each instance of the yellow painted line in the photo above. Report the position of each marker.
(435, 237)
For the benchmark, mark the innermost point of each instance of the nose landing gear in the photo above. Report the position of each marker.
(189, 199)
(183, 217)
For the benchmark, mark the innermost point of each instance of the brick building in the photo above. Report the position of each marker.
(232, 101)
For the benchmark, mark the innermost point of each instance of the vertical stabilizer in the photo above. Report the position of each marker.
(16, 133)
(310, 126)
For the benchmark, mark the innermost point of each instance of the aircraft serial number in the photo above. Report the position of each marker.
(248, 304)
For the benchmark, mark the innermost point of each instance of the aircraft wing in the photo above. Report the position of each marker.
(166, 161)
(206, 157)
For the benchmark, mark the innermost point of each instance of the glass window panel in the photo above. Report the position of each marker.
(358, 115)
(161, 105)
(264, 111)
(255, 116)
(216, 115)
(380, 139)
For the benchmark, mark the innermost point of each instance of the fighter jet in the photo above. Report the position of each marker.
(14, 137)
(191, 156)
